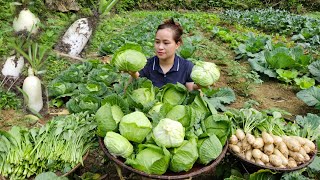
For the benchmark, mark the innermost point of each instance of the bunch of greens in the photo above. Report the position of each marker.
(9, 100)
(57, 146)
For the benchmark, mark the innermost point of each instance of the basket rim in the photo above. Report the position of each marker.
(274, 168)
(185, 175)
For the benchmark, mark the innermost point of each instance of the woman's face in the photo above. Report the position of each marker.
(165, 45)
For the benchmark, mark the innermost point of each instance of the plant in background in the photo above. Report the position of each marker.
(310, 96)
(9, 100)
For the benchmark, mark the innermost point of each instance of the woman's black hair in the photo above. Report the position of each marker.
(175, 27)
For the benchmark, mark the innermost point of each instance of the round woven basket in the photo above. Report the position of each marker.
(196, 170)
(258, 166)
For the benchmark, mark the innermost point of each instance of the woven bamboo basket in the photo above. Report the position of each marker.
(196, 170)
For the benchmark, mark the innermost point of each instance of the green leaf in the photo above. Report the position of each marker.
(224, 95)
(314, 69)
(315, 165)
(310, 96)
(280, 58)
(305, 82)
(264, 174)
(287, 75)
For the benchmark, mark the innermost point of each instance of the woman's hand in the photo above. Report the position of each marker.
(134, 75)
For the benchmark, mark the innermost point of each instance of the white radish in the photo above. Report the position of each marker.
(269, 164)
(250, 138)
(26, 21)
(248, 155)
(296, 156)
(276, 139)
(283, 149)
(292, 163)
(268, 149)
(306, 148)
(299, 139)
(239, 144)
(310, 144)
(258, 143)
(284, 159)
(292, 143)
(256, 153)
(240, 134)
(267, 138)
(258, 161)
(32, 87)
(233, 139)
(245, 145)
(265, 158)
(235, 148)
(275, 160)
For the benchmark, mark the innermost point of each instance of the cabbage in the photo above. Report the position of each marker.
(117, 145)
(168, 133)
(135, 126)
(173, 94)
(107, 118)
(184, 156)
(205, 73)
(183, 114)
(150, 159)
(209, 148)
(129, 58)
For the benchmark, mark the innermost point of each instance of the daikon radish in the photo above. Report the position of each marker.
(291, 143)
(250, 138)
(276, 139)
(283, 149)
(235, 148)
(275, 160)
(240, 134)
(284, 159)
(256, 153)
(265, 158)
(268, 149)
(248, 155)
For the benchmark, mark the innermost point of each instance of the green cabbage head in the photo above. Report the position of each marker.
(135, 126)
(129, 58)
(184, 156)
(150, 159)
(205, 73)
(118, 145)
(168, 133)
(209, 148)
(108, 118)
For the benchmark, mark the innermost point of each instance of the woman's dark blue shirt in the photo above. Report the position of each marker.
(180, 71)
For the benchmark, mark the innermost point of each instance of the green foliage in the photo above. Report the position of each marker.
(9, 100)
(310, 96)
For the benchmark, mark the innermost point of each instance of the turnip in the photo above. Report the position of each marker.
(240, 134)
(233, 139)
(258, 143)
(276, 139)
(268, 149)
(250, 138)
(239, 144)
(26, 21)
(235, 148)
(248, 155)
(256, 153)
(267, 138)
(275, 160)
(265, 158)
(291, 143)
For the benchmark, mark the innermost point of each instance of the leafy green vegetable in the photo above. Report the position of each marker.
(205, 73)
(108, 117)
(287, 75)
(184, 156)
(217, 97)
(183, 114)
(135, 126)
(310, 96)
(220, 125)
(129, 58)
(314, 69)
(173, 94)
(118, 145)
(150, 159)
(83, 102)
(93, 88)
(168, 133)
(310, 126)
(49, 176)
(209, 148)
(305, 82)
(58, 88)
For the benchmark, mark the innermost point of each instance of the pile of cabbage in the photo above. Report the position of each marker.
(159, 130)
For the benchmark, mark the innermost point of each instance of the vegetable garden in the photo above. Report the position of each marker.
(67, 109)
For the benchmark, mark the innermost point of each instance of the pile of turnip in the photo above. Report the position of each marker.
(271, 150)
(260, 138)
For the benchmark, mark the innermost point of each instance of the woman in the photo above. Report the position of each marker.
(166, 66)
